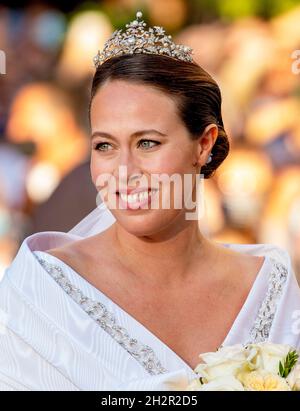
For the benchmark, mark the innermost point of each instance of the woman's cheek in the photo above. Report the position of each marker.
(96, 169)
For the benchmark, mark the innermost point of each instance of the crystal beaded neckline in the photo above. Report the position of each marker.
(144, 354)
(106, 320)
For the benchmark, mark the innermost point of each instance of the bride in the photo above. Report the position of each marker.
(129, 298)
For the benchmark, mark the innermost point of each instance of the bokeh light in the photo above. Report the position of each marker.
(44, 128)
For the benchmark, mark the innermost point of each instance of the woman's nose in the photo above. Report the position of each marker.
(127, 169)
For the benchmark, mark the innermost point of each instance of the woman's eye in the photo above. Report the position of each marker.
(99, 146)
(141, 143)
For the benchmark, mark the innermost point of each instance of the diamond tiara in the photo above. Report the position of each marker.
(138, 40)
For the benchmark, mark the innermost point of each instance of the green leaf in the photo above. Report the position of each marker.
(281, 369)
(288, 364)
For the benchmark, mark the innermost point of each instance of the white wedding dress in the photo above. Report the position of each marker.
(58, 332)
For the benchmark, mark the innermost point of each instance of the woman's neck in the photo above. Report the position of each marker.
(164, 258)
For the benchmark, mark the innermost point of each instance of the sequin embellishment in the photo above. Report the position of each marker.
(263, 322)
(99, 313)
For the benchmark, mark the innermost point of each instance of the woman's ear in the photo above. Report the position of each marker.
(206, 143)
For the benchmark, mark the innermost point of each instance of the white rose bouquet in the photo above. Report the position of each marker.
(255, 367)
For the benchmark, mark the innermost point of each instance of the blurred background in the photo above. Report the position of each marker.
(249, 47)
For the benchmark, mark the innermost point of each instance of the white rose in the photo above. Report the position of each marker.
(227, 383)
(236, 352)
(263, 381)
(269, 355)
(227, 361)
(293, 378)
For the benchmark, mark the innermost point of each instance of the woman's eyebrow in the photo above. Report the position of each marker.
(135, 134)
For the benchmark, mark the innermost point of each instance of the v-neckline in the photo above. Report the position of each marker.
(259, 277)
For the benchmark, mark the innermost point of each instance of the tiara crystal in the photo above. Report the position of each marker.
(138, 40)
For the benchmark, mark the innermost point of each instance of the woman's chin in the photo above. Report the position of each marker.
(144, 224)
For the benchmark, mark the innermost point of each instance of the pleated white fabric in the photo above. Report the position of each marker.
(48, 342)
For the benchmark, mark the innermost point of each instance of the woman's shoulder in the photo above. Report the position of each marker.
(269, 250)
(100, 243)
(237, 261)
(83, 251)
(252, 253)
(70, 254)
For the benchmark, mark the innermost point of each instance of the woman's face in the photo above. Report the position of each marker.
(121, 109)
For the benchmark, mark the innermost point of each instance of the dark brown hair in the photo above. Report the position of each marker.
(196, 93)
